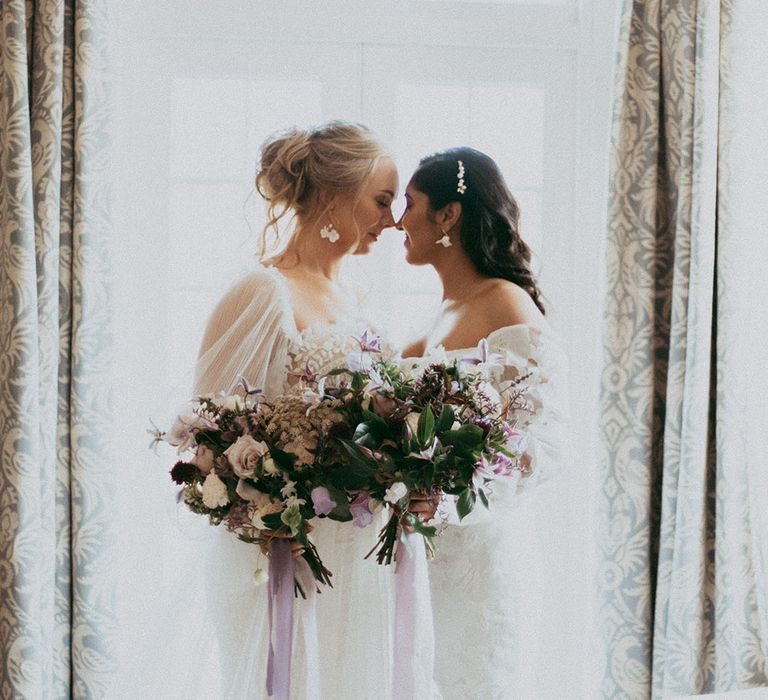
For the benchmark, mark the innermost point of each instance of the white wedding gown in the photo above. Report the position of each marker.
(252, 334)
(485, 597)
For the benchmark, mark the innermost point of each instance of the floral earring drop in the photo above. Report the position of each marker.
(445, 241)
(328, 231)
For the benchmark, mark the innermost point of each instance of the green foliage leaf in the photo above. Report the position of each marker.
(446, 418)
(291, 517)
(341, 511)
(273, 521)
(376, 420)
(283, 460)
(358, 381)
(466, 503)
(372, 431)
(425, 428)
(357, 473)
(420, 526)
(466, 439)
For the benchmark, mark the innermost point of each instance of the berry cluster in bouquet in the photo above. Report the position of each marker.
(343, 445)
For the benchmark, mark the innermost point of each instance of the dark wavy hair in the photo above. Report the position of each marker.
(490, 222)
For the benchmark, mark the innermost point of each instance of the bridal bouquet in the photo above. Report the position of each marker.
(365, 436)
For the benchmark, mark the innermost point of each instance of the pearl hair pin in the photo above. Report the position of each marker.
(461, 188)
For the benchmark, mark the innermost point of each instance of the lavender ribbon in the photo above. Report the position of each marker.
(280, 619)
(308, 608)
(406, 617)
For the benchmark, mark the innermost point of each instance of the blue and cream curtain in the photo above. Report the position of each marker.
(684, 585)
(55, 605)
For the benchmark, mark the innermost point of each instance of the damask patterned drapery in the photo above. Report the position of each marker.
(683, 603)
(55, 604)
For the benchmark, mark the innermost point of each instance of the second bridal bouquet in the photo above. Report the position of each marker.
(366, 436)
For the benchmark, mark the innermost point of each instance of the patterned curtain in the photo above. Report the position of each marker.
(55, 605)
(683, 610)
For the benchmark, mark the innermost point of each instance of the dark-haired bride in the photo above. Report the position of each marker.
(291, 315)
(461, 218)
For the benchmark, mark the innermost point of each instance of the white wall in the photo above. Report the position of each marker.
(200, 84)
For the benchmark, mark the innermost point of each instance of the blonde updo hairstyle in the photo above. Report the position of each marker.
(299, 164)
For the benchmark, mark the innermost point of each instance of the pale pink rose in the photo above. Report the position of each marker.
(203, 459)
(244, 455)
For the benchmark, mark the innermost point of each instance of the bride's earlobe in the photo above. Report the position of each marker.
(450, 215)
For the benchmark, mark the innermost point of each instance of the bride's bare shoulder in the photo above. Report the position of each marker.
(415, 349)
(502, 303)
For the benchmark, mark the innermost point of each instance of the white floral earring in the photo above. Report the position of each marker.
(445, 241)
(329, 231)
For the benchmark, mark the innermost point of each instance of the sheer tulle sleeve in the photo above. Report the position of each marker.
(248, 336)
(525, 350)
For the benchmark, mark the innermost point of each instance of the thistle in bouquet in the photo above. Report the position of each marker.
(420, 438)
(247, 468)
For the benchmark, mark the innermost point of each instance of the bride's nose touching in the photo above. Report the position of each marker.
(388, 220)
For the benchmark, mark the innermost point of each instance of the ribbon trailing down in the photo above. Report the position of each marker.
(413, 664)
(280, 619)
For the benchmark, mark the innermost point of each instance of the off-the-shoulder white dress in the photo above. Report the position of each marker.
(483, 577)
(256, 338)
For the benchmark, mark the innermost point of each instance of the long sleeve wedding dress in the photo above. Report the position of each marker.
(252, 335)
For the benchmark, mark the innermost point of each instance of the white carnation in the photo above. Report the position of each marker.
(214, 492)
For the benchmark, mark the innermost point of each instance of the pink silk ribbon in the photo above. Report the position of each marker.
(406, 616)
(280, 619)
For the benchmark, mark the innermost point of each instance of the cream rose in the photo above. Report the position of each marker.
(245, 454)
